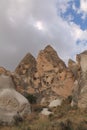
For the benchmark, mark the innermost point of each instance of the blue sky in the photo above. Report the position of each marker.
(30, 25)
(74, 14)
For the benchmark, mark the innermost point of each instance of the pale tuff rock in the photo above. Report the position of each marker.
(48, 60)
(26, 66)
(46, 112)
(82, 58)
(53, 73)
(24, 74)
(4, 71)
(75, 94)
(80, 93)
(12, 104)
(75, 68)
(47, 76)
(55, 103)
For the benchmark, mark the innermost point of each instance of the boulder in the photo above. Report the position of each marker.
(12, 104)
(55, 103)
(46, 112)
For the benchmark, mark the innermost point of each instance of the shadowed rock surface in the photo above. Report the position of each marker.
(75, 68)
(24, 74)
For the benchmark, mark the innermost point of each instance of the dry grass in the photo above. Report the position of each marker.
(65, 118)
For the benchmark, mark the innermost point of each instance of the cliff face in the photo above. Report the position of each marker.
(48, 78)
(53, 73)
(49, 60)
(24, 74)
(80, 90)
(47, 75)
(75, 68)
(27, 66)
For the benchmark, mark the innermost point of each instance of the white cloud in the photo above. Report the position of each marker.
(29, 25)
(83, 8)
(62, 5)
(83, 5)
(39, 25)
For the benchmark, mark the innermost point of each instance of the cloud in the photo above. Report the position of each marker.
(82, 9)
(29, 25)
(83, 5)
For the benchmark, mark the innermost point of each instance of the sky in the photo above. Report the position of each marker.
(30, 25)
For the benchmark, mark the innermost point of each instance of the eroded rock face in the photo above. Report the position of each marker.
(12, 104)
(80, 93)
(49, 60)
(4, 71)
(75, 68)
(26, 66)
(47, 76)
(24, 74)
(53, 73)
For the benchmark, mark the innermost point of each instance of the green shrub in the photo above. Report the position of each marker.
(31, 98)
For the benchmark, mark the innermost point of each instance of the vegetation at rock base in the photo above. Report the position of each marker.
(65, 117)
(31, 98)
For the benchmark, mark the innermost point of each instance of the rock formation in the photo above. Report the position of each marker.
(53, 73)
(47, 76)
(80, 89)
(4, 71)
(49, 83)
(75, 68)
(26, 66)
(24, 74)
(12, 104)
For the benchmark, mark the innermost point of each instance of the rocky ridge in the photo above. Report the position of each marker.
(47, 77)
